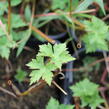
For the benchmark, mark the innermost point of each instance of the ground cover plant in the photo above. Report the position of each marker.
(61, 45)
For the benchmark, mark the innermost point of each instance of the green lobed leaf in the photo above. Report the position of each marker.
(42, 70)
(88, 93)
(96, 35)
(56, 55)
(54, 104)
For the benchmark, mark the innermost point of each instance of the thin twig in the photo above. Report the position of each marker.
(107, 63)
(90, 65)
(101, 107)
(105, 18)
(42, 34)
(8, 92)
(59, 87)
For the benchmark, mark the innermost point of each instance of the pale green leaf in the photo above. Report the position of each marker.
(54, 104)
(56, 55)
(36, 63)
(88, 93)
(27, 13)
(25, 34)
(48, 76)
(96, 35)
(45, 50)
(3, 7)
(5, 46)
(17, 21)
(4, 52)
(35, 76)
(15, 2)
(84, 5)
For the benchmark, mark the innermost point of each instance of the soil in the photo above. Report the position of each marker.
(32, 101)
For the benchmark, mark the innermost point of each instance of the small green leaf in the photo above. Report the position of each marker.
(4, 52)
(58, 4)
(20, 76)
(88, 93)
(54, 104)
(25, 34)
(96, 35)
(5, 46)
(27, 13)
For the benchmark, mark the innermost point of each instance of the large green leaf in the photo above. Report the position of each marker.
(56, 56)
